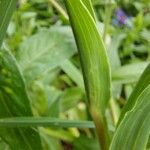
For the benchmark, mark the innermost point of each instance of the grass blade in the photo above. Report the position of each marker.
(44, 122)
(6, 10)
(73, 72)
(144, 81)
(133, 131)
(14, 102)
(94, 64)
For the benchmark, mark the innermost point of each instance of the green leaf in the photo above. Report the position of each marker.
(93, 55)
(50, 143)
(6, 10)
(60, 134)
(70, 98)
(143, 82)
(94, 64)
(129, 73)
(44, 121)
(38, 55)
(88, 5)
(72, 71)
(45, 99)
(82, 143)
(14, 102)
(133, 131)
(115, 62)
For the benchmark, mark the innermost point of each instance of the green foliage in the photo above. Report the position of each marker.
(142, 84)
(94, 64)
(133, 131)
(6, 10)
(44, 103)
(15, 102)
(37, 56)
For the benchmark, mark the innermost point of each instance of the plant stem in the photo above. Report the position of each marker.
(108, 13)
(101, 129)
(114, 112)
(59, 8)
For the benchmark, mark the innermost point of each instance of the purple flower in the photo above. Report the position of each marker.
(121, 18)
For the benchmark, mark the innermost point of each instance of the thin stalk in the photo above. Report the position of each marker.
(59, 9)
(101, 129)
(108, 13)
(114, 111)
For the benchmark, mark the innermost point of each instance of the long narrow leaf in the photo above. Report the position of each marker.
(144, 81)
(14, 102)
(88, 5)
(94, 64)
(44, 121)
(6, 11)
(133, 131)
(73, 73)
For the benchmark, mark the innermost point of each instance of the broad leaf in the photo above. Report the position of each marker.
(45, 51)
(6, 10)
(14, 102)
(133, 131)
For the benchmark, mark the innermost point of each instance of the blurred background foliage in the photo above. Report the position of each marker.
(41, 39)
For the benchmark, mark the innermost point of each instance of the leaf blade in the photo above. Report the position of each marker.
(39, 55)
(143, 82)
(133, 131)
(14, 102)
(45, 122)
(6, 10)
(94, 64)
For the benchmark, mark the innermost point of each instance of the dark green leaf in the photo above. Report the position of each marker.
(6, 10)
(14, 102)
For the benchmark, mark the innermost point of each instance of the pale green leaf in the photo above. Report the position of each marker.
(93, 54)
(74, 73)
(129, 73)
(38, 55)
(70, 98)
(94, 63)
